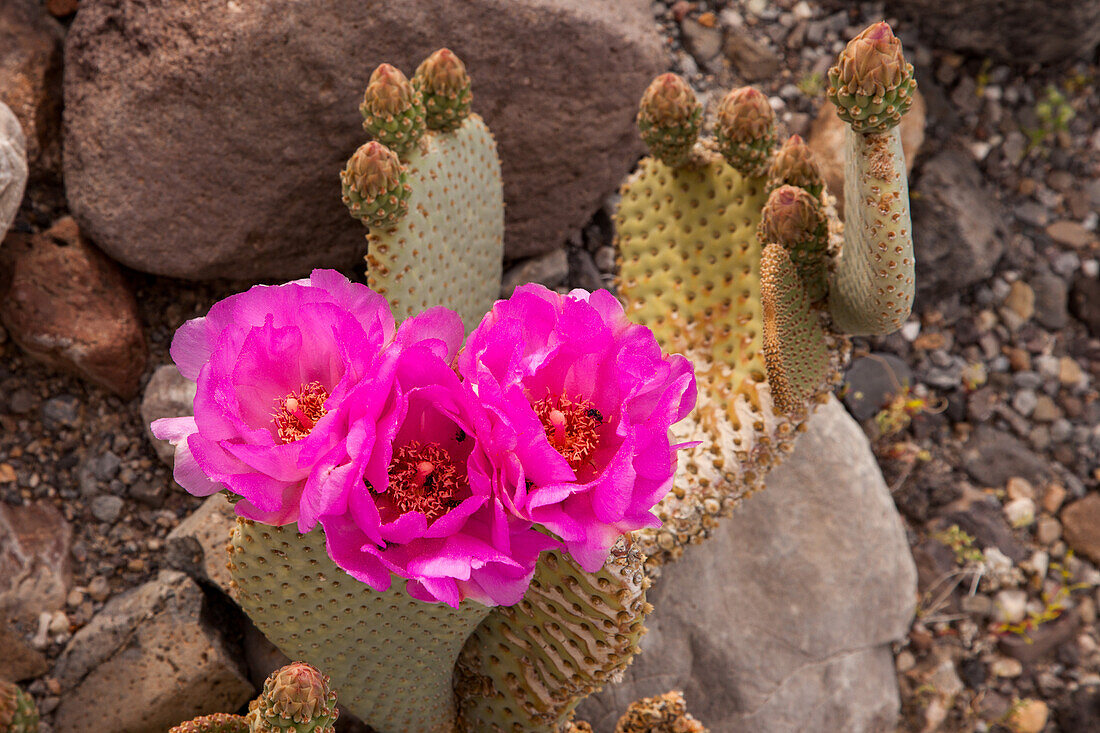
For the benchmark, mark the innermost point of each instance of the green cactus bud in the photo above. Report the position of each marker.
(393, 110)
(794, 165)
(661, 714)
(443, 81)
(295, 698)
(18, 713)
(871, 84)
(376, 190)
(746, 133)
(796, 220)
(216, 723)
(669, 118)
(795, 349)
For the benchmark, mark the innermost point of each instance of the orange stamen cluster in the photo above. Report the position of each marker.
(297, 413)
(571, 427)
(424, 478)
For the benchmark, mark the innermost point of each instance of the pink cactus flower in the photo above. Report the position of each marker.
(580, 402)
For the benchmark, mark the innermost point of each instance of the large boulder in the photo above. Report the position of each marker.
(219, 153)
(13, 167)
(30, 80)
(783, 620)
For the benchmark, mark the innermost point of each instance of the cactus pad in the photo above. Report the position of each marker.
(375, 186)
(796, 220)
(745, 132)
(794, 342)
(18, 713)
(449, 249)
(216, 723)
(669, 118)
(393, 111)
(872, 85)
(874, 280)
(390, 656)
(443, 81)
(527, 666)
(794, 165)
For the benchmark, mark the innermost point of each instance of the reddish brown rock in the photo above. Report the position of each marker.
(69, 306)
(827, 143)
(35, 567)
(1081, 526)
(21, 662)
(30, 78)
(237, 126)
(62, 8)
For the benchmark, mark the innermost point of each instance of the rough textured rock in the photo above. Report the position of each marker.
(168, 394)
(238, 125)
(21, 662)
(955, 225)
(150, 659)
(872, 381)
(1081, 525)
(197, 545)
(1011, 31)
(30, 78)
(35, 565)
(13, 167)
(826, 140)
(993, 456)
(782, 621)
(70, 307)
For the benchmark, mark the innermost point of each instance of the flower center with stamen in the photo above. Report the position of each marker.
(424, 478)
(570, 427)
(297, 413)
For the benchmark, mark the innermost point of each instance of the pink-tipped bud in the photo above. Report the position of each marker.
(443, 81)
(669, 117)
(794, 164)
(871, 84)
(746, 131)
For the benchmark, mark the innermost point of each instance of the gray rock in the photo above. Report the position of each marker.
(1051, 301)
(955, 223)
(62, 411)
(702, 42)
(106, 508)
(198, 545)
(168, 394)
(872, 381)
(549, 269)
(782, 621)
(13, 167)
(993, 456)
(248, 114)
(35, 564)
(150, 659)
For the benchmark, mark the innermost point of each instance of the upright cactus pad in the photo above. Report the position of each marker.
(669, 118)
(18, 713)
(874, 280)
(794, 165)
(794, 218)
(794, 342)
(746, 133)
(390, 657)
(216, 723)
(527, 666)
(393, 111)
(295, 698)
(443, 81)
(872, 85)
(447, 247)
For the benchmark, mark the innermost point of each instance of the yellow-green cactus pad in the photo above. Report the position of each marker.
(443, 81)
(796, 219)
(527, 666)
(795, 350)
(216, 723)
(661, 714)
(874, 280)
(18, 713)
(393, 111)
(448, 250)
(390, 657)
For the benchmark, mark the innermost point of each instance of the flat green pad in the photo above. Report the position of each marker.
(449, 249)
(389, 656)
(527, 666)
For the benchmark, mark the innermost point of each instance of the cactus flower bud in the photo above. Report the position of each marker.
(669, 118)
(871, 84)
(375, 186)
(746, 132)
(295, 698)
(794, 165)
(443, 81)
(216, 723)
(18, 713)
(393, 110)
(796, 220)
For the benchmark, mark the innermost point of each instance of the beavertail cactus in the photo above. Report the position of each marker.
(437, 226)
(18, 713)
(697, 265)
(669, 118)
